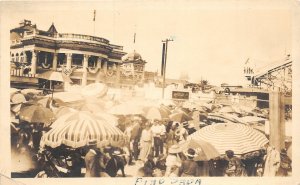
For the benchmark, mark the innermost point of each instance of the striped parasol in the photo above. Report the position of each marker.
(76, 129)
(232, 136)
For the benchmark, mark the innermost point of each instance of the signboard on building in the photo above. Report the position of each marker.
(180, 95)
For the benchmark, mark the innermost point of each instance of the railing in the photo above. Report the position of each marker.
(116, 47)
(85, 37)
(20, 72)
(73, 36)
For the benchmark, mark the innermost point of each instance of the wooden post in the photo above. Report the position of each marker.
(277, 121)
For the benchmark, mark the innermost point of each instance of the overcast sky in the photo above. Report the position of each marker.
(212, 40)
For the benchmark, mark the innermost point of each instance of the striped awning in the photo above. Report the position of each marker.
(237, 137)
(78, 128)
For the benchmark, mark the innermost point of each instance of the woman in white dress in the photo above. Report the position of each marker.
(173, 161)
(146, 142)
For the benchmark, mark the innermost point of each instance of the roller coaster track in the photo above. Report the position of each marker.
(277, 74)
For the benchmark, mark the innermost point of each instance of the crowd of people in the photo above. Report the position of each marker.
(153, 146)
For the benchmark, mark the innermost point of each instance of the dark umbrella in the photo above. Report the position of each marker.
(54, 76)
(180, 117)
(205, 150)
(36, 114)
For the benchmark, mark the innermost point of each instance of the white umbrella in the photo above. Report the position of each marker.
(237, 137)
(94, 90)
(77, 129)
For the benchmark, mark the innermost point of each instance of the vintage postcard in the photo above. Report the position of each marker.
(149, 92)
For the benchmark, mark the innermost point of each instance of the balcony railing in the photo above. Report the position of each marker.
(84, 37)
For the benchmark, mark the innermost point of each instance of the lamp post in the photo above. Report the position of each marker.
(164, 62)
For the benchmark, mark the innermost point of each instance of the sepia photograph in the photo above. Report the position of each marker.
(149, 91)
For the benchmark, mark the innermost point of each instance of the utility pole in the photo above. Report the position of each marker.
(165, 65)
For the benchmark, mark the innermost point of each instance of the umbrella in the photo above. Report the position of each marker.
(13, 118)
(68, 97)
(226, 109)
(111, 119)
(17, 98)
(166, 102)
(36, 114)
(77, 129)
(182, 109)
(94, 90)
(16, 108)
(156, 113)
(47, 101)
(54, 76)
(63, 110)
(32, 91)
(180, 117)
(205, 150)
(91, 107)
(239, 138)
(13, 91)
(126, 109)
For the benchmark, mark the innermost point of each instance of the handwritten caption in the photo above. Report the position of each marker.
(167, 181)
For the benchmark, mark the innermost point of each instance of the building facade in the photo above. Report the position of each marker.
(133, 69)
(85, 59)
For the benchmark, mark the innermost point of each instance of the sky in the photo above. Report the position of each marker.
(211, 39)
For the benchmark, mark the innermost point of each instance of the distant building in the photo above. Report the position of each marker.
(150, 76)
(133, 69)
(86, 59)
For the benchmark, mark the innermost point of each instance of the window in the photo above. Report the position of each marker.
(17, 57)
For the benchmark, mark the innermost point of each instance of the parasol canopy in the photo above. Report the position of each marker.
(55, 76)
(68, 97)
(156, 113)
(77, 129)
(13, 91)
(31, 91)
(17, 98)
(63, 111)
(47, 101)
(180, 117)
(36, 114)
(239, 138)
(205, 151)
(111, 119)
(94, 90)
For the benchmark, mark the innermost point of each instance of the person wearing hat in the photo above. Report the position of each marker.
(135, 136)
(159, 132)
(115, 163)
(235, 166)
(149, 166)
(146, 142)
(285, 164)
(92, 160)
(173, 161)
(181, 134)
(189, 167)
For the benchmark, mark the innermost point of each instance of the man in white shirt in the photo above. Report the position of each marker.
(159, 131)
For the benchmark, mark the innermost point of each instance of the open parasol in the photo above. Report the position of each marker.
(76, 129)
(36, 114)
(237, 137)
(205, 150)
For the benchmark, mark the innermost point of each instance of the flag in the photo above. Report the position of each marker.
(163, 59)
(94, 15)
(134, 38)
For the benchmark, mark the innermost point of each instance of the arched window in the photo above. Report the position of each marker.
(22, 57)
(17, 57)
(12, 57)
